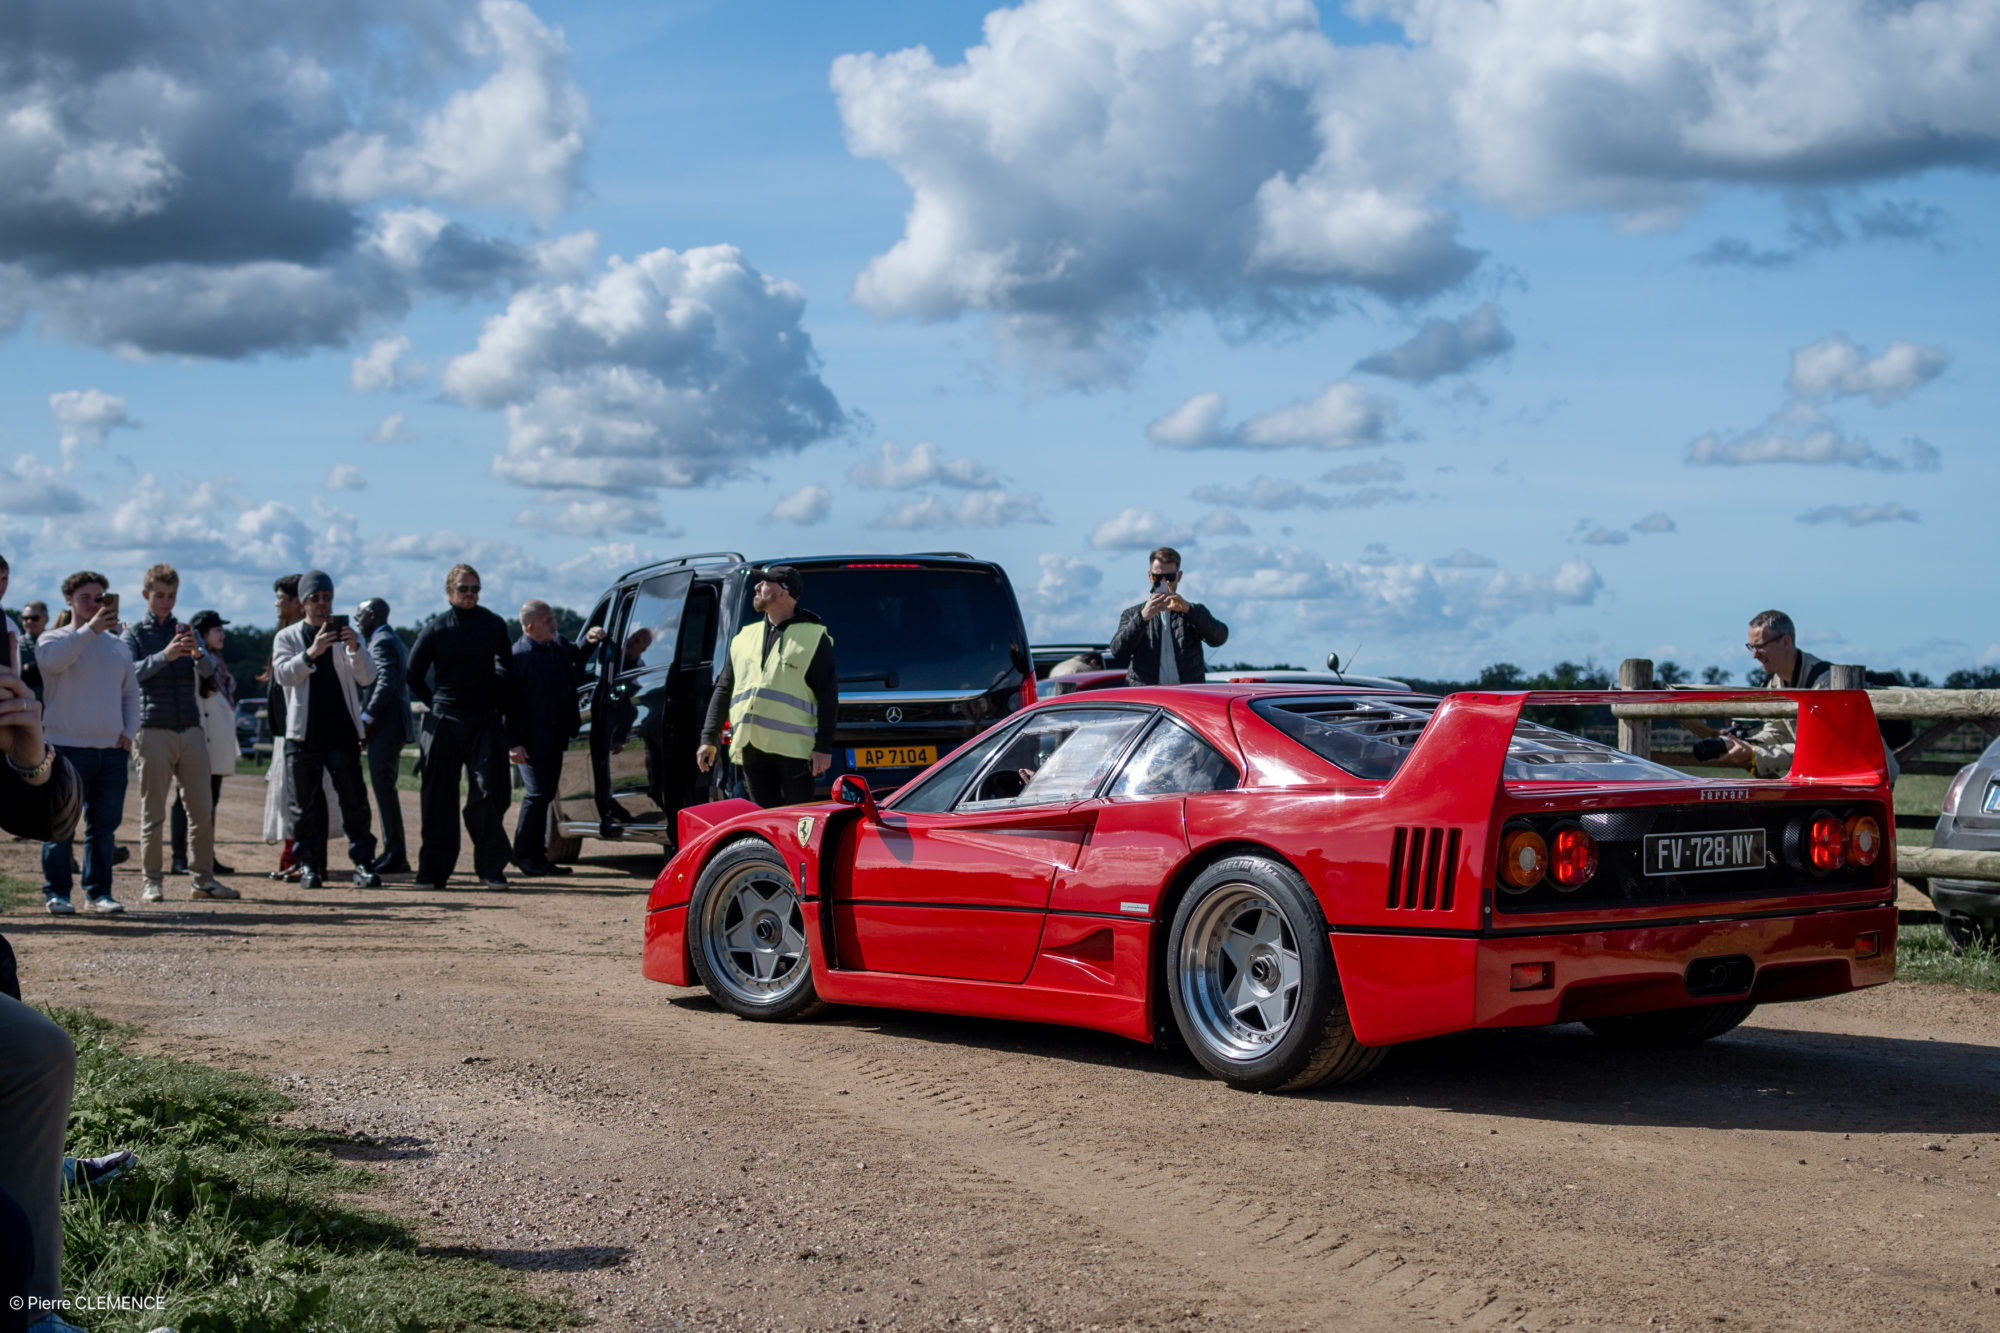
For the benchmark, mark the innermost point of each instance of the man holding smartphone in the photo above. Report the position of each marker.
(170, 660)
(1162, 637)
(91, 715)
(320, 661)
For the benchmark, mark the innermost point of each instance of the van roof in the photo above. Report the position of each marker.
(729, 560)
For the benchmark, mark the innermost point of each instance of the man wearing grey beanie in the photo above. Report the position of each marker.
(319, 662)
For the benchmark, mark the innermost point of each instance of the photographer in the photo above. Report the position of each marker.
(91, 715)
(319, 661)
(1162, 637)
(171, 660)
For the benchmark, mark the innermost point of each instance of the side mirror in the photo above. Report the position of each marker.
(852, 789)
(1333, 663)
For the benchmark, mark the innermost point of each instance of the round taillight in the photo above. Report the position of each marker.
(1524, 859)
(1826, 843)
(1864, 840)
(1573, 858)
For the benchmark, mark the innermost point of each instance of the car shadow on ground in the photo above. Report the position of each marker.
(1752, 1078)
(565, 1259)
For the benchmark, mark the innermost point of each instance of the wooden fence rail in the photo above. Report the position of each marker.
(1948, 711)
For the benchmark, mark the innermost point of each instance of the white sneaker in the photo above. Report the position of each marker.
(153, 892)
(106, 906)
(60, 906)
(212, 888)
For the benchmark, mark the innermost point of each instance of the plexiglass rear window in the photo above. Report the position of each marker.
(1370, 737)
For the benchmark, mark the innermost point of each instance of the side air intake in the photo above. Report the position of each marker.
(1423, 864)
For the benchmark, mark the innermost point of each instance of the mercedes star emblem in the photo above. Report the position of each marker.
(894, 715)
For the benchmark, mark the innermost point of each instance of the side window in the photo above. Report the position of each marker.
(1060, 755)
(1172, 761)
(935, 794)
(652, 631)
(698, 628)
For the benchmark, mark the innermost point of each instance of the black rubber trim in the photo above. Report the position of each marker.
(987, 907)
(668, 907)
(1596, 927)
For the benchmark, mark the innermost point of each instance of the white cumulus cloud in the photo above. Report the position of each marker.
(1858, 516)
(991, 508)
(344, 477)
(390, 429)
(1444, 347)
(672, 369)
(377, 369)
(1345, 416)
(805, 506)
(594, 515)
(894, 469)
(1135, 529)
(86, 417)
(1835, 366)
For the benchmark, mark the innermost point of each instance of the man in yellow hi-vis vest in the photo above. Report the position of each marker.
(780, 693)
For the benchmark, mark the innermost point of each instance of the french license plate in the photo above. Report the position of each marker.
(892, 756)
(1704, 853)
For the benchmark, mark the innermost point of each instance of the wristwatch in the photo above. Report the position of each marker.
(36, 775)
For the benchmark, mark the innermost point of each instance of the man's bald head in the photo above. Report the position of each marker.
(538, 622)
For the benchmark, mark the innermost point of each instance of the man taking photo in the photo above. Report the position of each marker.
(387, 725)
(780, 692)
(90, 715)
(319, 663)
(170, 660)
(1162, 636)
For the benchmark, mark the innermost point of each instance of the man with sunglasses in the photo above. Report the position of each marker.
(460, 670)
(1768, 754)
(1162, 637)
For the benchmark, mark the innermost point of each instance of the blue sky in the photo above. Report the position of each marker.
(1692, 302)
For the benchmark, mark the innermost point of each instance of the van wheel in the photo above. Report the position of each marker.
(1671, 1027)
(562, 849)
(747, 932)
(1251, 978)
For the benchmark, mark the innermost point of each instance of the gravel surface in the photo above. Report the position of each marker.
(531, 1097)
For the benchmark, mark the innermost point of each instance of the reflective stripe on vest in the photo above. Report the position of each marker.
(773, 708)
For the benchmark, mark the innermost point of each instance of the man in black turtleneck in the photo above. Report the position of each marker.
(458, 669)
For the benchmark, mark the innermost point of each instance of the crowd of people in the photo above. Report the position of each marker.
(149, 697)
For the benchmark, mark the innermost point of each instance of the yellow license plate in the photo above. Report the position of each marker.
(892, 756)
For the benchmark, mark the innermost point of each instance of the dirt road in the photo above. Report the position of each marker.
(1832, 1165)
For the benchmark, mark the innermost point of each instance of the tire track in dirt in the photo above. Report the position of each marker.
(1292, 1268)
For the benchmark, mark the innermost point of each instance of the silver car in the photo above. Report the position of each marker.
(1970, 822)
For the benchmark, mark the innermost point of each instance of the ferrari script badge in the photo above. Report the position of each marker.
(805, 829)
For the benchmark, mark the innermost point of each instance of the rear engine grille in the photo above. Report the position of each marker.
(1423, 865)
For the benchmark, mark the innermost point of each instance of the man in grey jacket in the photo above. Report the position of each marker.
(320, 664)
(170, 660)
(387, 726)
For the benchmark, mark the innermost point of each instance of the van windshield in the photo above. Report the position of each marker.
(916, 629)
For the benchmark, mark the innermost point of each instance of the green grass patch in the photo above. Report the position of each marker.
(16, 893)
(1923, 954)
(242, 1224)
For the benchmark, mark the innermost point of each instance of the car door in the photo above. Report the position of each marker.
(1139, 831)
(962, 891)
(584, 792)
(639, 703)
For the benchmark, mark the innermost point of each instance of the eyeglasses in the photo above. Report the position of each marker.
(466, 587)
(1768, 643)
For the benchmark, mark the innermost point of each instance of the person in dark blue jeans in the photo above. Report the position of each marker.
(543, 714)
(103, 775)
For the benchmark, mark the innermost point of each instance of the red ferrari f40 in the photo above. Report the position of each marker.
(1291, 881)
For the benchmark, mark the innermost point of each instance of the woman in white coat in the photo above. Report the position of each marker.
(217, 702)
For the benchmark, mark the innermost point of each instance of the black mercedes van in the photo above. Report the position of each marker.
(930, 649)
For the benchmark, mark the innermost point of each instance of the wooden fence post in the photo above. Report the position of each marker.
(1848, 677)
(1635, 736)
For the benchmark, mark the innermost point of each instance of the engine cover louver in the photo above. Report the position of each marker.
(1423, 866)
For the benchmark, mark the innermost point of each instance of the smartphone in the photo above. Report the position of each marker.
(1162, 585)
(110, 602)
(338, 622)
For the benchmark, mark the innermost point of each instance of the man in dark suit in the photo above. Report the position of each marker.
(1162, 637)
(548, 673)
(389, 726)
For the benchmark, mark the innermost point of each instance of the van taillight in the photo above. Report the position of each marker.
(1028, 692)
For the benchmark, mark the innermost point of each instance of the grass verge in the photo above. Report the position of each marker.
(240, 1223)
(1923, 954)
(16, 893)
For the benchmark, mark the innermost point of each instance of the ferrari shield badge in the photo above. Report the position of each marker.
(805, 829)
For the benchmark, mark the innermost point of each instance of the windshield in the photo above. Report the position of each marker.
(916, 629)
(1370, 737)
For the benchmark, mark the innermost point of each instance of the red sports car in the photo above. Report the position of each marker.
(1292, 881)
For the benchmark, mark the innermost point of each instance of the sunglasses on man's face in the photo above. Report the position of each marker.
(467, 587)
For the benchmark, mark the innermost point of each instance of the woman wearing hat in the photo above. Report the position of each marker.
(217, 702)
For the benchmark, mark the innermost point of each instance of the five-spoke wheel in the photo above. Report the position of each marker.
(1252, 982)
(748, 932)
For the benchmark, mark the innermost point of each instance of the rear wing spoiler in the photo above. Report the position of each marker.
(1454, 768)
